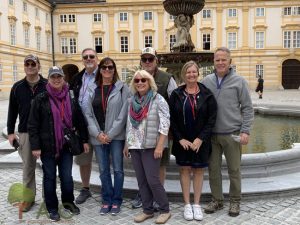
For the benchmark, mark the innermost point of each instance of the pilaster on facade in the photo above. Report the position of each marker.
(160, 34)
(219, 24)
(111, 23)
(136, 33)
(245, 29)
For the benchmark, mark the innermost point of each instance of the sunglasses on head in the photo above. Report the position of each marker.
(32, 64)
(107, 67)
(143, 80)
(85, 57)
(150, 59)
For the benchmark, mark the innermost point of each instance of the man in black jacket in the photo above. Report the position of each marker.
(79, 85)
(21, 95)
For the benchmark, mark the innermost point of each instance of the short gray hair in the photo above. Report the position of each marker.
(223, 49)
(143, 74)
(88, 49)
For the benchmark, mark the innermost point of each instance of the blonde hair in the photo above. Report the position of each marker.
(143, 74)
(186, 66)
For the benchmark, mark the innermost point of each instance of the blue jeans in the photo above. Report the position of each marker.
(111, 195)
(64, 163)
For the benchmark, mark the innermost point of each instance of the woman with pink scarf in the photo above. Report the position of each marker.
(50, 113)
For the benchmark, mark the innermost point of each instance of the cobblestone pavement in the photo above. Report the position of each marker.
(275, 211)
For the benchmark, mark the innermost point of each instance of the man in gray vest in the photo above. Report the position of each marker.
(165, 85)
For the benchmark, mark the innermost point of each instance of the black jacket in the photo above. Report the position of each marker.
(20, 97)
(76, 83)
(206, 113)
(41, 127)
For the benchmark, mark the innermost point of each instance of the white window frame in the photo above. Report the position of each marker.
(232, 12)
(296, 10)
(232, 40)
(206, 38)
(148, 15)
(259, 12)
(97, 17)
(259, 39)
(37, 12)
(26, 37)
(64, 45)
(15, 72)
(63, 18)
(148, 41)
(11, 2)
(296, 39)
(259, 70)
(73, 45)
(12, 30)
(125, 72)
(38, 40)
(206, 13)
(172, 17)
(25, 7)
(123, 16)
(71, 18)
(287, 11)
(98, 41)
(291, 39)
(172, 40)
(124, 44)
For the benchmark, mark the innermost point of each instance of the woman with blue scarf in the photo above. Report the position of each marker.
(52, 111)
(147, 129)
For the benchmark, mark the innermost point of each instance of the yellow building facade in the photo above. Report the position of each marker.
(264, 36)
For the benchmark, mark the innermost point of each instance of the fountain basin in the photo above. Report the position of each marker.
(186, 7)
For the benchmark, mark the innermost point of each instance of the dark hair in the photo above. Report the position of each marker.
(99, 79)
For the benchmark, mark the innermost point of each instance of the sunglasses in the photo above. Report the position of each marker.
(150, 60)
(143, 80)
(85, 57)
(107, 67)
(27, 64)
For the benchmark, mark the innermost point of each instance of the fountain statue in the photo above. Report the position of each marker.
(183, 50)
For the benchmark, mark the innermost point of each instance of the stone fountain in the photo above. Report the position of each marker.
(183, 50)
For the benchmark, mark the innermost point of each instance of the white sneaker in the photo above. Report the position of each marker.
(188, 212)
(197, 212)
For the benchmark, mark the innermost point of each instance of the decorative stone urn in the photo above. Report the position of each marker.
(184, 11)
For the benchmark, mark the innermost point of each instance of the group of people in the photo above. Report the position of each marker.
(135, 121)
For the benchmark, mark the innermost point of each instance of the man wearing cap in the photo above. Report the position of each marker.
(165, 84)
(22, 92)
(79, 85)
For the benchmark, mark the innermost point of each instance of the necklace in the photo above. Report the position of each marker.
(192, 91)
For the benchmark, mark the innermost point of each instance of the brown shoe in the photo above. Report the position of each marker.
(213, 206)
(163, 218)
(142, 217)
(234, 209)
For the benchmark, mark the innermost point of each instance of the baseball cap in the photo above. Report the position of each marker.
(32, 58)
(149, 51)
(55, 70)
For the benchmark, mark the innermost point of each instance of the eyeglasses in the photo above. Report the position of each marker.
(107, 67)
(150, 59)
(85, 57)
(143, 80)
(27, 64)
